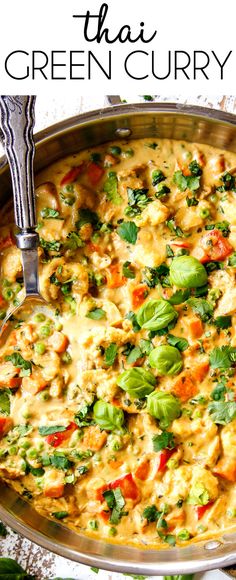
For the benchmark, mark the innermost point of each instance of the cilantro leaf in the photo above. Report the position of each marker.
(5, 402)
(53, 246)
(223, 227)
(48, 212)
(51, 429)
(179, 296)
(127, 270)
(151, 513)
(163, 441)
(223, 322)
(202, 308)
(137, 201)
(60, 461)
(222, 412)
(19, 362)
(222, 357)
(86, 216)
(128, 231)
(157, 177)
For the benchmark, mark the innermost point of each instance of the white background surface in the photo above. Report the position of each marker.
(36, 560)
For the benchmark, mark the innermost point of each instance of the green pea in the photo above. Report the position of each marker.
(93, 524)
(45, 459)
(128, 153)
(40, 347)
(166, 359)
(58, 326)
(112, 532)
(25, 444)
(164, 407)
(137, 382)
(12, 450)
(45, 331)
(40, 317)
(116, 445)
(114, 150)
(204, 213)
(32, 453)
(7, 294)
(156, 314)
(184, 535)
(187, 272)
(22, 453)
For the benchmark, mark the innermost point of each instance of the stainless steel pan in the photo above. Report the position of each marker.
(137, 121)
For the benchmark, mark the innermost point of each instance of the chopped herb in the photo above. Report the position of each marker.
(232, 260)
(134, 355)
(5, 405)
(94, 569)
(146, 346)
(48, 212)
(128, 231)
(161, 191)
(60, 461)
(96, 314)
(3, 530)
(154, 276)
(222, 357)
(84, 417)
(179, 296)
(195, 168)
(223, 227)
(132, 317)
(163, 441)
(111, 188)
(183, 182)
(223, 322)
(202, 308)
(82, 469)
(157, 177)
(35, 471)
(191, 201)
(49, 430)
(67, 197)
(176, 230)
(212, 266)
(228, 183)
(86, 216)
(74, 241)
(19, 362)
(60, 515)
(115, 502)
(137, 201)
(110, 354)
(180, 343)
(54, 246)
(127, 270)
(218, 393)
(152, 145)
(151, 513)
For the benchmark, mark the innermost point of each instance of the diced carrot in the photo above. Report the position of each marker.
(93, 247)
(15, 382)
(34, 383)
(142, 470)
(55, 491)
(195, 327)
(115, 464)
(94, 439)
(94, 173)
(6, 242)
(226, 468)
(114, 276)
(184, 168)
(6, 424)
(213, 246)
(184, 387)
(138, 295)
(58, 341)
(200, 371)
(72, 175)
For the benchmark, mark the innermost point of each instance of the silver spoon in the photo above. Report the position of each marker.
(17, 120)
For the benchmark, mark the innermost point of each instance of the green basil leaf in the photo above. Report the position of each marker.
(128, 231)
(166, 360)
(187, 272)
(164, 407)
(108, 416)
(134, 355)
(137, 382)
(156, 314)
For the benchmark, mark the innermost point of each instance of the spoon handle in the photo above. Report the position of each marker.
(17, 118)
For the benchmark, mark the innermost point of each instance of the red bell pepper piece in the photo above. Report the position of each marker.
(6, 424)
(127, 486)
(72, 175)
(164, 456)
(138, 295)
(201, 509)
(94, 173)
(58, 438)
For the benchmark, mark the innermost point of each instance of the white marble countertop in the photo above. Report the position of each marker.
(37, 561)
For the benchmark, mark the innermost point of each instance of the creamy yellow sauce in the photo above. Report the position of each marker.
(112, 221)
